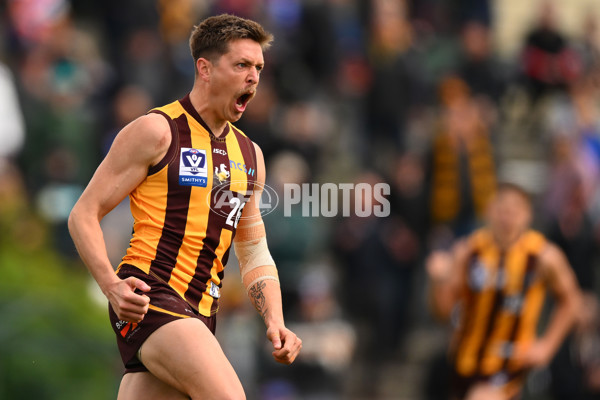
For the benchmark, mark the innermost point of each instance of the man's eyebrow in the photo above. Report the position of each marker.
(248, 61)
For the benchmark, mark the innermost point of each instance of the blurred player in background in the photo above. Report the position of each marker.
(164, 297)
(498, 276)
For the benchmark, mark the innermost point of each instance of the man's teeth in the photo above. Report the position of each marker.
(243, 99)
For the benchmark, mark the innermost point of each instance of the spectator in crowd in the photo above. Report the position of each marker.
(589, 46)
(549, 62)
(463, 175)
(481, 71)
(395, 80)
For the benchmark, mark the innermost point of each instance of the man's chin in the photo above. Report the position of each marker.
(235, 116)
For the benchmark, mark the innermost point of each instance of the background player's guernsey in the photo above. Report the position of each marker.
(502, 303)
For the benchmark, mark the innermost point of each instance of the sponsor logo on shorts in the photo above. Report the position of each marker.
(125, 328)
(499, 379)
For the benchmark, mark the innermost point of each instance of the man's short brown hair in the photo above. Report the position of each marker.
(210, 38)
(508, 187)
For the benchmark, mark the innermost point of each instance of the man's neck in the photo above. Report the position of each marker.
(202, 106)
(504, 242)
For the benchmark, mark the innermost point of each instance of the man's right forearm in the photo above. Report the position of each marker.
(442, 272)
(89, 241)
(440, 298)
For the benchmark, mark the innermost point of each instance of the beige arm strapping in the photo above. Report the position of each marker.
(256, 263)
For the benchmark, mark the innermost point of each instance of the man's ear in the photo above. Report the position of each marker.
(203, 69)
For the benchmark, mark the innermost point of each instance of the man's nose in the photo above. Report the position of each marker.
(253, 76)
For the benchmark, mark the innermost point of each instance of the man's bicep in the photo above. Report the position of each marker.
(251, 215)
(111, 183)
(557, 272)
(126, 165)
(260, 165)
(457, 280)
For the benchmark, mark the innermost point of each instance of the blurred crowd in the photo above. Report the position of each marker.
(412, 93)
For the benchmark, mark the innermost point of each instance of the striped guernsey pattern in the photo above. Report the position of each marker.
(502, 298)
(187, 209)
(446, 201)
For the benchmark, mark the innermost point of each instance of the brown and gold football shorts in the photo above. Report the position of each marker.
(165, 306)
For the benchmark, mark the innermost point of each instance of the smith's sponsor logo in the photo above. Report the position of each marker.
(192, 167)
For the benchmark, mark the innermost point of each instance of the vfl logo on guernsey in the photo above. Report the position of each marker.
(192, 167)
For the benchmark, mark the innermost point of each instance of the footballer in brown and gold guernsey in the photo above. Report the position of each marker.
(502, 298)
(186, 211)
(498, 277)
(194, 182)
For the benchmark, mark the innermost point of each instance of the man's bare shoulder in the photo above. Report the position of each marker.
(149, 135)
(553, 263)
(552, 257)
(152, 128)
(260, 164)
(461, 248)
(258, 151)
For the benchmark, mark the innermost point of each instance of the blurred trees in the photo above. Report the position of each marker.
(55, 341)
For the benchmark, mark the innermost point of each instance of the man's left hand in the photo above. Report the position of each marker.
(286, 344)
(537, 355)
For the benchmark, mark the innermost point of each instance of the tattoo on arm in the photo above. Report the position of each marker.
(258, 298)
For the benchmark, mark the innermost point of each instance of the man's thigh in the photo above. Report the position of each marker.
(165, 306)
(186, 355)
(485, 391)
(144, 386)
